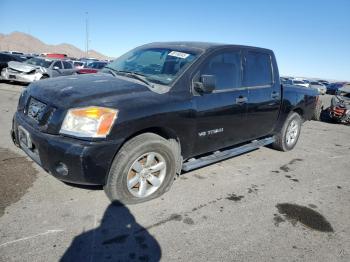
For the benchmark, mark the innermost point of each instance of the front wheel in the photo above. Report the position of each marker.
(143, 169)
(288, 136)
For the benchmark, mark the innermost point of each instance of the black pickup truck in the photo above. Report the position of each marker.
(156, 110)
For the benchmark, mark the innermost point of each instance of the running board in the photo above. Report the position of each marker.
(217, 156)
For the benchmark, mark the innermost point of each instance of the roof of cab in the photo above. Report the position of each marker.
(199, 46)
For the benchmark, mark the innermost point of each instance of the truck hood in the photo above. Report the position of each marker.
(86, 90)
(23, 67)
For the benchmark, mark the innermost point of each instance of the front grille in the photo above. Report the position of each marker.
(36, 109)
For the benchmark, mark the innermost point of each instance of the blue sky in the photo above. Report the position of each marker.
(310, 37)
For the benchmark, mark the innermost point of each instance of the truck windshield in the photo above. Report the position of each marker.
(157, 65)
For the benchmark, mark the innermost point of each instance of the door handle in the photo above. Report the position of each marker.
(241, 100)
(275, 95)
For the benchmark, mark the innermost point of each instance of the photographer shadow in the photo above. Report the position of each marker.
(118, 238)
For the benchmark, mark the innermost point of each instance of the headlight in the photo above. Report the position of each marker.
(90, 121)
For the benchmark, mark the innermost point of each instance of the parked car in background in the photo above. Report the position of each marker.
(321, 88)
(333, 88)
(54, 55)
(92, 68)
(15, 52)
(324, 82)
(35, 69)
(78, 64)
(295, 82)
(300, 83)
(339, 110)
(286, 80)
(87, 61)
(7, 57)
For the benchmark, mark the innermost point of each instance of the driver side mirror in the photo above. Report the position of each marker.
(56, 67)
(206, 84)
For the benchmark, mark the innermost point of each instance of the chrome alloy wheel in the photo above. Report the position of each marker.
(292, 132)
(146, 174)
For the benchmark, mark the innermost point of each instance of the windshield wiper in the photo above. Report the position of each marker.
(111, 70)
(136, 75)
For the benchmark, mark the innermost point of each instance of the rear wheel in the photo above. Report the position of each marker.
(288, 136)
(44, 77)
(143, 169)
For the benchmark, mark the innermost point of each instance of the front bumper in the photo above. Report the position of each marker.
(19, 77)
(87, 162)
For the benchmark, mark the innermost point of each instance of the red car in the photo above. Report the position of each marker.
(92, 68)
(57, 56)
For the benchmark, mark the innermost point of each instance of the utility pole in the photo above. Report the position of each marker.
(87, 33)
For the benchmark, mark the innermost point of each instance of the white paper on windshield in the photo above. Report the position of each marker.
(178, 54)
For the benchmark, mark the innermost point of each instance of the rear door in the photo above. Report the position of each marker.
(264, 93)
(221, 115)
(67, 68)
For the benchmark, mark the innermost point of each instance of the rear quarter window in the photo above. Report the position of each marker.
(257, 69)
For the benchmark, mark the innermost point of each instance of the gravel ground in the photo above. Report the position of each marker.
(262, 206)
(22, 175)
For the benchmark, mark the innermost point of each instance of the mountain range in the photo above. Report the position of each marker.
(18, 41)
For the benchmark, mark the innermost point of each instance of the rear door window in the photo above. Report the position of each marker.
(67, 65)
(257, 69)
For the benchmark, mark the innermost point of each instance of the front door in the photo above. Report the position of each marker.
(221, 115)
(57, 69)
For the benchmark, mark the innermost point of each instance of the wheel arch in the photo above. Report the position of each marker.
(165, 132)
(299, 111)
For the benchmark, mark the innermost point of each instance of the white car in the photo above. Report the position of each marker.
(322, 89)
(35, 69)
(300, 83)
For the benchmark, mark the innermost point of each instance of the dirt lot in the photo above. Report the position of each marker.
(262, 206)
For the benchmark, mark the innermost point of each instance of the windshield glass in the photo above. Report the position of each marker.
(39, 62)
(158, 65)
(97, 65)
(299, 82)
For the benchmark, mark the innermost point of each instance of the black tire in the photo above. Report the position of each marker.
(116, 186)
(44, 77)
(281, 137)
(318, 110)
(176, 148)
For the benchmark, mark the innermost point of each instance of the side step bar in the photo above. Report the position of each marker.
(217, 156)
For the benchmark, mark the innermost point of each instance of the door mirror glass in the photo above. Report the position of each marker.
(206, 84)
(56, 67)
